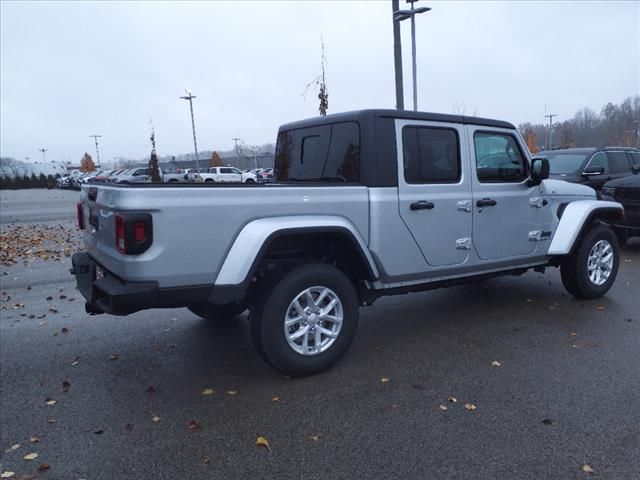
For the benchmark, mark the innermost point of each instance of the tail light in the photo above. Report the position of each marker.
(134, 232)
(80, 213)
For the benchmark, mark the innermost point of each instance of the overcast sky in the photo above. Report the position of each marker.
(69, 70)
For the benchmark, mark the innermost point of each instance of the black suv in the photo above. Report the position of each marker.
(626, 191)
(591, 166)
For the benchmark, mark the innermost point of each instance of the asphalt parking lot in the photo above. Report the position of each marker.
(508, 379)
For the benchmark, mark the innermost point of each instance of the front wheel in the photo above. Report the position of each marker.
(306, 321)
(591, 270)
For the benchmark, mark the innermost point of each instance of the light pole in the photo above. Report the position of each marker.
(550, 117)
(44, 154)
(236, 139)
(399, 16)
(190, 97)
(95, 138)
(254, 149)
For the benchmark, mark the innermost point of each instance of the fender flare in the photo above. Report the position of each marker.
(255, 237)
(575, 217)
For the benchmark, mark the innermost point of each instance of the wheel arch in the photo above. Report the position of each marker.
(266, 239)
(575, 220)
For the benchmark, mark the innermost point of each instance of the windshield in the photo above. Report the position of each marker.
(565, 162)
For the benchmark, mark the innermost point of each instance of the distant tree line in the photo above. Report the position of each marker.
(615, 125)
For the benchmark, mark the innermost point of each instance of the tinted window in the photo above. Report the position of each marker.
(599, 160)
(226, 170)
(328, 153)
(499, 158)
(618, 162)
(564, 162)
(431, 155)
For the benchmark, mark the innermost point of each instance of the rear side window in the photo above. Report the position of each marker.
(599, 160)
(499, 158)
(618, 162)
(430, 155)
(327, 153)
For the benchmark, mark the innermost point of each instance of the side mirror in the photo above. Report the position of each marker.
(635, 168)
(593, 171)
(539, 171)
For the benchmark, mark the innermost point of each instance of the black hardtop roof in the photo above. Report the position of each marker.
(357, 115)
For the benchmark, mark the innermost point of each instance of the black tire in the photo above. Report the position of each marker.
(574, 269)
(249, 180)
(268, 315)
(217, 312)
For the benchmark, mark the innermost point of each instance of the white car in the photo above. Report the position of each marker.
(223, 175)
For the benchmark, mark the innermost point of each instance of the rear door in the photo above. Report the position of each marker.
(434, 189)
(505, 209)
(619, 164)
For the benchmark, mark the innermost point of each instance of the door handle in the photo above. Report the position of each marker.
(422, 205)
(486, 202)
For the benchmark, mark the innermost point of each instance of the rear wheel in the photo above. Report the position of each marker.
(249, 180)
(591, 270)
(217, 312)
(306, 320)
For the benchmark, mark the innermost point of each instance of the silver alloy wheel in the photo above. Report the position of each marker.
(600, 262)
(313, 320)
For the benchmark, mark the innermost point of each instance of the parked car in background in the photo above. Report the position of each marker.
(265, 175)
(174, 176)
(223, 175)
(135, 175)
(627, 192)
(592, 166)
(103, 176)
(112, 177)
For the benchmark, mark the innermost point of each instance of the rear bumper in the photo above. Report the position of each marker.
(107, 293)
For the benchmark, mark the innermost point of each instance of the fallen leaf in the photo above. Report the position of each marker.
(51, 420)
(50, 401)
(75, 363)
(528, 300)
(15, 446)
(34, 439)
(43, 323)
(547, 421)
(384, 380)
(7, 474)
(599, 307)
(53, 309)
(452, 400)
(206, 460)
(43, 467)
(314, 438)
(587, 469)
(156, 419)
(495, 363)
(232, 392)
(49, 298)
(263, 442)
(573, 334)
(470, 406)
(98, 432)
(443, 407)
(275, 399)
(114, 356)
(65, 386)
(65, 330)
(30, 456)
(192, 425)
(62, 297)
(208, 391)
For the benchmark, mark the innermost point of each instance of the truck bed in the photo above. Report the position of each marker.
(189, 243)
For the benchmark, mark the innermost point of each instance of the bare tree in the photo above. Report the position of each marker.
(320, 84)
(153, 160)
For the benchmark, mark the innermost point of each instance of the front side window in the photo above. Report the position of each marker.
(499, 158)
(599, 160)
(327, 153)
(430, 155)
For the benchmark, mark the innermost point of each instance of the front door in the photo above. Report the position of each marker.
(505, 212)
(434, 189)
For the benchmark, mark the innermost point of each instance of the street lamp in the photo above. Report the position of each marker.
(399, 16)
(190, 97)
(44, 154)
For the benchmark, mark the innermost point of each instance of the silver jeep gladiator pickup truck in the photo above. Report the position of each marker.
(365, 204)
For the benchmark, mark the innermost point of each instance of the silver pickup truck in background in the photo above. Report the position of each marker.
(365, 204)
